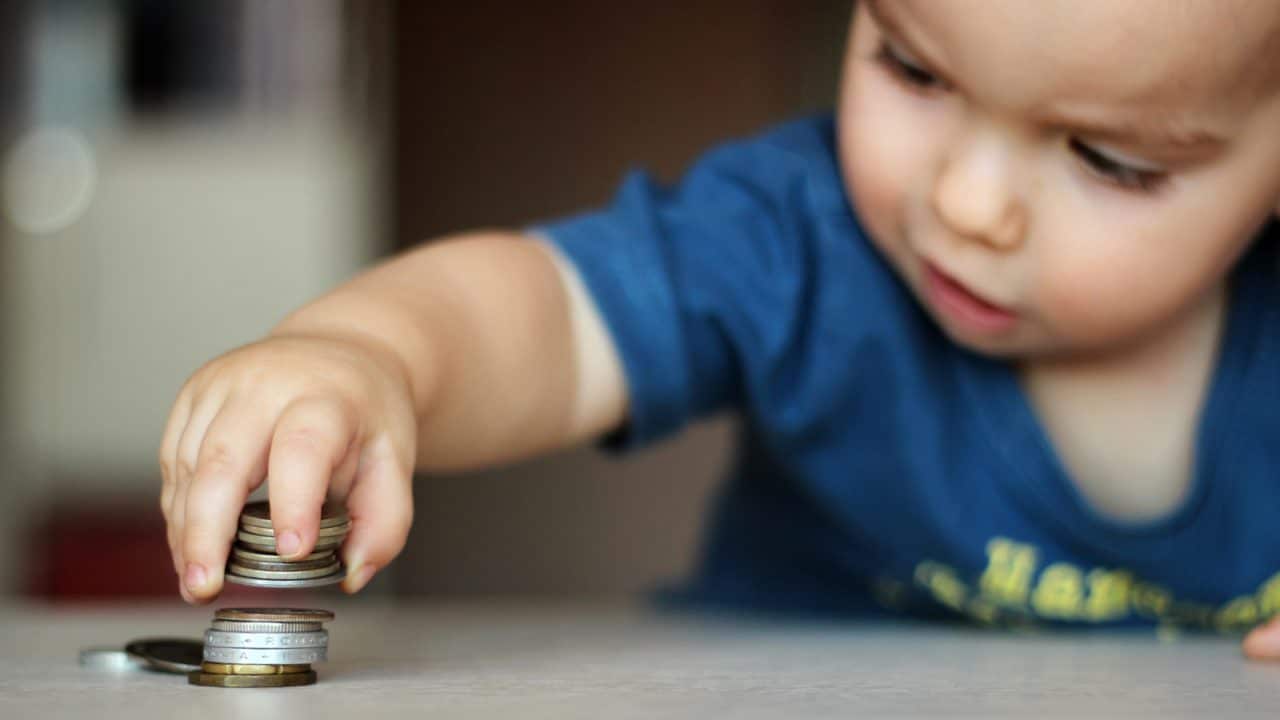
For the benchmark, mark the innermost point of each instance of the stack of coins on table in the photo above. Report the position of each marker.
(253, 559)
(263, 647)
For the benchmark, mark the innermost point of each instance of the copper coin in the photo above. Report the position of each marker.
(264, 627)
(232, 669)
(258, 514)
(342, 529)
(207, 679)
(273, 615)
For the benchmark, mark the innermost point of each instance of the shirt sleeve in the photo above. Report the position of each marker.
(695, 278)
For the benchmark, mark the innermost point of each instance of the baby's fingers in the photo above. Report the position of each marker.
(231, 462)
(381, 509)
(1264, 642)
(311, 441)
(205, 407)
(177, 422)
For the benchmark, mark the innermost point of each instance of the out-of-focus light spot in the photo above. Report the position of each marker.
(49, 179)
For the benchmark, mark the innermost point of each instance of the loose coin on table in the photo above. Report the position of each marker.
(252, 681)
(174, 655)
(112, 659)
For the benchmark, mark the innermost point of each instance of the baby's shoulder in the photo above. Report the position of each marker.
(805, 145)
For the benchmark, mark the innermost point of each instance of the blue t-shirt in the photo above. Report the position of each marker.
(881, 466)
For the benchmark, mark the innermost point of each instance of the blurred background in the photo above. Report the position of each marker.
(178, 176)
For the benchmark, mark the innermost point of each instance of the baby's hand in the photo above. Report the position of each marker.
(1263, 643)
(320, 417)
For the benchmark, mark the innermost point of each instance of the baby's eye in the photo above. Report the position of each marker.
(1116, 171)
(906, 70)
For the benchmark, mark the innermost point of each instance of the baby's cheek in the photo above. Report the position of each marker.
(1080, 308)
(873, 173)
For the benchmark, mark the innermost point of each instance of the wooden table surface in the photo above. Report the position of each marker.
(486, 660)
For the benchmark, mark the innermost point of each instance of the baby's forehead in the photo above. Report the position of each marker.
(1207, 46)
(1143, 52)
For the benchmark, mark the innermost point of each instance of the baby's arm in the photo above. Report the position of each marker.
(467, 352)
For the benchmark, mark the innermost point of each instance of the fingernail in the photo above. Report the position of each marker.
(195, 577)
(288, 543)
(362, 577)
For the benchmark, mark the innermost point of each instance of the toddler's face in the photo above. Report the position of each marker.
(1062, 176)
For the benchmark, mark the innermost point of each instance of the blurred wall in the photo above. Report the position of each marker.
(178, 177)
(13, 84)
(510, 112)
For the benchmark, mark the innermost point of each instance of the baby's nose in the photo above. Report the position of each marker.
(974, 194)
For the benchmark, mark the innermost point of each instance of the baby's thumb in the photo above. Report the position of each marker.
(381, 510)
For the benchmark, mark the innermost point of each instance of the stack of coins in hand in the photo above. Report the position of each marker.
(253, 559)
(262, 647)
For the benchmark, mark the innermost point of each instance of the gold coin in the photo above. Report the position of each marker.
(258, 514)
(199, 677)
(230, 669)
(273, 615)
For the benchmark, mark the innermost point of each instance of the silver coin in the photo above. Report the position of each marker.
(246, 554)
(268, 544)
(314, 639)
(243, 571)
(174, 655)
(260, 656)
(322, 532)
(110, 659)
(258, 514)
(282, 584)
(284, 565)
(265, 627)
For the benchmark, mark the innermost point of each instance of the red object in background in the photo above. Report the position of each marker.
(109, 551)
(98, 552)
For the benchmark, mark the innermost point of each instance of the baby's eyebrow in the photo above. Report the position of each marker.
(1159, 131)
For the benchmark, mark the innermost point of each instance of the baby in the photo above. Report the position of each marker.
(1003, 335)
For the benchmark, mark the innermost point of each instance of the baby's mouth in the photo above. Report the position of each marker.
(957, 303)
